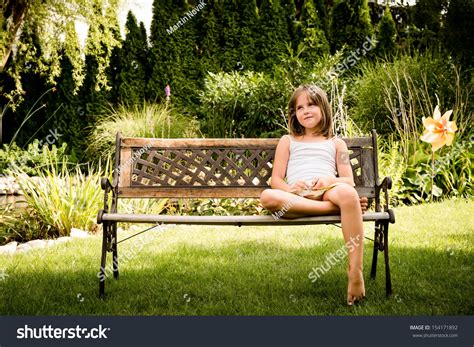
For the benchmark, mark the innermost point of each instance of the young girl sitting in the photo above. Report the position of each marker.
(311, 158)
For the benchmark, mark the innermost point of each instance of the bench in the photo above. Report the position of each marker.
(223, 168)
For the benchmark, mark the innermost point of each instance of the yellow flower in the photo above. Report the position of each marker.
(439, 131)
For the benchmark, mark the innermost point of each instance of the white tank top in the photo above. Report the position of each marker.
(309, 160)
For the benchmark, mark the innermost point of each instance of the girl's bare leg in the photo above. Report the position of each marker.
(346, 198)
(294, 206)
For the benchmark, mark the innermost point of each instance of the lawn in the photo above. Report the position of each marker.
(203, 270)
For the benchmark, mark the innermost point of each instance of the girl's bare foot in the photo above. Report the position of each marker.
(355, 287)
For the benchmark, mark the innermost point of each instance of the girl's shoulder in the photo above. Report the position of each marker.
(340, 143)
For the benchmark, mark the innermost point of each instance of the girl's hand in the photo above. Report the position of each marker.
(299, 185)
(323, 182)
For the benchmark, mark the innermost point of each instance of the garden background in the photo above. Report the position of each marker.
(231, 67)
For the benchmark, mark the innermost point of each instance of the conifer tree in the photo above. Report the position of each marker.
(132, 75)
(65, 110)
(386, 35)
(350, 24)
(185, 65)
(209, 39)
(67, 115)
(322, 15)
(162, 49)
(248, 20)
(230, 27)
(144, 54)
(114, 68)
(274, 34)
(459, 29)
(289, 7)
(314, 38)
(27, 64)
(94, 92)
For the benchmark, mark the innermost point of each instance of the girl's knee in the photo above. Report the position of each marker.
(347, 195)
(270, 199)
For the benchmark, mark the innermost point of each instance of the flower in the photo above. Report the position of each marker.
(167, 91)
(439, 131)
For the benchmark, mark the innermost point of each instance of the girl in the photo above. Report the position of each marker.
(311, 158)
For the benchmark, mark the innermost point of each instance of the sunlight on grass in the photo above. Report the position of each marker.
(200, 270)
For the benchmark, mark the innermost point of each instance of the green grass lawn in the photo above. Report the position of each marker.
(200, 270)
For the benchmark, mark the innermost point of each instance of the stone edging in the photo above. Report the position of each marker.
(13, 247)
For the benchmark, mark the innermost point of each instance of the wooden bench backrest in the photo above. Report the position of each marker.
(184, 168)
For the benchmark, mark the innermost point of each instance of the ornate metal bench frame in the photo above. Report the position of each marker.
(223, 168)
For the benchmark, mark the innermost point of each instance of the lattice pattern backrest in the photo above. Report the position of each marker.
(220, 167)
(214, 167)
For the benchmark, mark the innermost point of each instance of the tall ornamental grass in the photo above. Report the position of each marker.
(394, 96)
(147, 120)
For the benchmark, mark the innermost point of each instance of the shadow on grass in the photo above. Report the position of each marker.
(247, 278)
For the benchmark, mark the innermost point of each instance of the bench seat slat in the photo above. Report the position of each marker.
(234, 220)
(198, 192)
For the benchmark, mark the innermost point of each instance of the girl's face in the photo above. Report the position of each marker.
(307, 113)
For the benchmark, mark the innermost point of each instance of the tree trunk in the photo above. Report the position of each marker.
(16, 11)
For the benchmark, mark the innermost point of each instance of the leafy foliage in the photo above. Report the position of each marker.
(386, 35)
(350, 24)
(58, 200)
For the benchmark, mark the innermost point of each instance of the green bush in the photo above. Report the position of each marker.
(32, 160)
(243, 104)
(147, 120)
(453, 171)
(254, 104)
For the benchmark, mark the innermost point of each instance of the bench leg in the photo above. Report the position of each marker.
(114, 250)
(102, 274)
(388, 279)
(378, 227)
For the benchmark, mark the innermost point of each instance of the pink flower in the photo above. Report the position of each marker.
(439, 131)
(167, 91)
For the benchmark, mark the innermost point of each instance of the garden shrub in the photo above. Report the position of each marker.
(32, 161)
(254, 104)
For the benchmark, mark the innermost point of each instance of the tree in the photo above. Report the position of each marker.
(427, 17)
(93, 92)
(47, 17)
(208, 27)
(162, 47)
(132, 80)
(31, 115)
(314, 38)
(248, 19)
(350, 24)
(230, 27)
(386, 35)
(459, 29)
(274, 34)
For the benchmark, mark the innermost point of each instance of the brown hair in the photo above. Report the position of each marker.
(319, 98)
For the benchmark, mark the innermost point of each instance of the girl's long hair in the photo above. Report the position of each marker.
(319, 98)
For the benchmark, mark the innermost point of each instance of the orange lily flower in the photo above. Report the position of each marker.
(439, 131)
